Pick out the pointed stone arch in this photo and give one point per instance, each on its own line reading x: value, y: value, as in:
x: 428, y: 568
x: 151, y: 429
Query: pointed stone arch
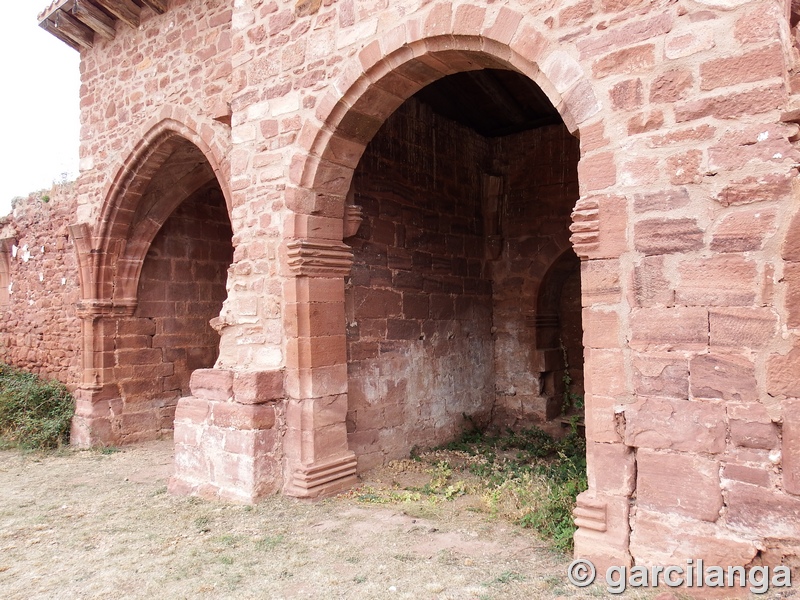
x: 111, y: 255
x: 385, y: 74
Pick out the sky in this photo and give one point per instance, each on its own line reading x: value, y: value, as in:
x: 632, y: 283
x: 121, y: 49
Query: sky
x: 39, y: 114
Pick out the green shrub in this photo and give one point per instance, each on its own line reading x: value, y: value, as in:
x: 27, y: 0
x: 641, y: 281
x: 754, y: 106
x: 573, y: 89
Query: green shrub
x: 539, y: 484
x: 35, y: 413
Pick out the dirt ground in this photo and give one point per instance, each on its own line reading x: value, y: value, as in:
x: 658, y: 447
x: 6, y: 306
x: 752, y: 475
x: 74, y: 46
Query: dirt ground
x: 84, y: 524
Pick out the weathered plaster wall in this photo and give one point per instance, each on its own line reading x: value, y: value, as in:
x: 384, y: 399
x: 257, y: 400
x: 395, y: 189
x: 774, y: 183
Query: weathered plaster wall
x: 418, y: 303
x: 39, y: 329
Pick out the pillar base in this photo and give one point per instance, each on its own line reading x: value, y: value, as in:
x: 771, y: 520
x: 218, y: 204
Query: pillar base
x: 603, y: 534
x: 226, y: 450
x: 323, y: 479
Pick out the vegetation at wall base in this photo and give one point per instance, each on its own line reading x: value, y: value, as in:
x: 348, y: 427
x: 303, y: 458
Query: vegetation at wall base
x: 35, y: 413
x: 528, y: 477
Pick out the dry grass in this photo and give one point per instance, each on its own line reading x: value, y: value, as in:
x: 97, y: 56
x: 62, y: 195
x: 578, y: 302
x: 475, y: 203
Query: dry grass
x: 94, y: 525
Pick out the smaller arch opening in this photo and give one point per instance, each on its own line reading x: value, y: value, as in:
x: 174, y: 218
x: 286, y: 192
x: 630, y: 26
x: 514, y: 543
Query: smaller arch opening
x: 176, y: 258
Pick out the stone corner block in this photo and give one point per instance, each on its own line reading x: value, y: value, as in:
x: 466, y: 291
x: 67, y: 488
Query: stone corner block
x: 258, y: 387
x: 212, y: 384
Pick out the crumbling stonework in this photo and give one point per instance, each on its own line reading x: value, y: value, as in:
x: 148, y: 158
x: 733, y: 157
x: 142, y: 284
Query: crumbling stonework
x: 400, y: 260
x: 39, y: 286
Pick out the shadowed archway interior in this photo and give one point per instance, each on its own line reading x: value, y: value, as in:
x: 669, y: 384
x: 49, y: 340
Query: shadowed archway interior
x: 181, y: 285
x: 466, y: 193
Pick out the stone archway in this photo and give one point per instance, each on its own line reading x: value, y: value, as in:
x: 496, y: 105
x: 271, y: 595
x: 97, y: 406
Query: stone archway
x: 318, y: 259
x: 144, y: 273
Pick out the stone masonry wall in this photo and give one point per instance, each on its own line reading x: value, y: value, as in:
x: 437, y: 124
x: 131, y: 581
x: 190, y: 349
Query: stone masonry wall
x: 540, y: 169
x: 419, y: 299
x: 181, y: 59
x: 687, y: 125
x: 39, y: 329
x: 181, y: 289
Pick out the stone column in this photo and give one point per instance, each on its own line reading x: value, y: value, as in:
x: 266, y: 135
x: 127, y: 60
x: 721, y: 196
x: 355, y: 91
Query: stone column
x: 317, y: 459
x: 98, y: 405
x: 602, y: 512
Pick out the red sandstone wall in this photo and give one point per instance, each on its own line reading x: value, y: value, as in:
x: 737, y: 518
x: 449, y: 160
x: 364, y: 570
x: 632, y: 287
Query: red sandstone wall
x: 181, y: 289
x: 686, y: 183
x: 180, y: 59
x: 419, y: 298
x: 540, y: 169
x: 39, y: 330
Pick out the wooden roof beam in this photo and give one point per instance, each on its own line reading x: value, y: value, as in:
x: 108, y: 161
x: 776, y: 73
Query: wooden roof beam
x: 159, y: 6
x: 50, y: 27
x: 73, y: 29
x: 126, y: 11
x: 94, y: 18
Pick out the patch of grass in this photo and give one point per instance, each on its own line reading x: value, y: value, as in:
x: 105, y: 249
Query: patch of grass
x: 203, y: 524
x: 507, y: 577
x: 533, y: 478
x: 269, y: 542
x: 35, y: 413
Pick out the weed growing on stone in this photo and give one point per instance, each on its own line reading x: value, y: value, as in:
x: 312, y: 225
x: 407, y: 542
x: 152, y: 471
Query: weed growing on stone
x: 35, y: 413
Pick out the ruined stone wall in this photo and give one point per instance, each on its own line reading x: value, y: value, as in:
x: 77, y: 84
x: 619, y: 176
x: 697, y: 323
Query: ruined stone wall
x: 541, y: 189
x: 39, y: 330
x: 683, y: 110
x: 419, y: 298
x: 181, y: 289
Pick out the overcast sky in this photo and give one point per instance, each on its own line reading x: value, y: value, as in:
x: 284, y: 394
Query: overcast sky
x: 38, y: 104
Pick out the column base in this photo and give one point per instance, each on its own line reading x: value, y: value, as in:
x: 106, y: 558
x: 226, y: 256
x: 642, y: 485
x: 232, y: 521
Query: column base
x: 323, y: 479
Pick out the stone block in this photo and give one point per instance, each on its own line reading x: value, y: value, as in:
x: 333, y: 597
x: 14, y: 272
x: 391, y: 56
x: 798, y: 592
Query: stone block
x: 751, y: 328
x: 257, y: 387
x: 726, y: 280
x: 661, y: 375
x: 752, y: 434
x: 669, y: 329
x: 600, y: 282
x: 764, y: 512
x: 212, y: 384
x: 668, y: 539
x: 233, y: 415
x: 651, y: 284
x: 629, y: 60
x: 783, y: 373
x: 666, y: 236
x: 601, y: 329
x: 790, y: 446
x: 192, y: 410
x: 723, y: 376
x: 605, y: 372
x: 673, y: 424
x: 756, y: 65
x: 611, y: 468
x: 681, y: 484
x: 601, y: 419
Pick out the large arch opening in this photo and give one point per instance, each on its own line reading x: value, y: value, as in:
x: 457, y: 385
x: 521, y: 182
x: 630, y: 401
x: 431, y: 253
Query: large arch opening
x: 171, y: 271
x: 461, y: 264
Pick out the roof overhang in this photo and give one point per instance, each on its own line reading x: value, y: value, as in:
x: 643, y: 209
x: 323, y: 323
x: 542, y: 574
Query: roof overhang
x: 77, y: 22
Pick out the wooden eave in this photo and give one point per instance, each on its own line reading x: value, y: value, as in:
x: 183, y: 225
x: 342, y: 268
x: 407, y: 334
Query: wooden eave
x: 78, y: 22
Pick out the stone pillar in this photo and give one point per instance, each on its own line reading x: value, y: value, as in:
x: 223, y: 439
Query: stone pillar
x: 318, y: 461
x: 602, y: 512
x: 227, y: 435
x: 98, y: 405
